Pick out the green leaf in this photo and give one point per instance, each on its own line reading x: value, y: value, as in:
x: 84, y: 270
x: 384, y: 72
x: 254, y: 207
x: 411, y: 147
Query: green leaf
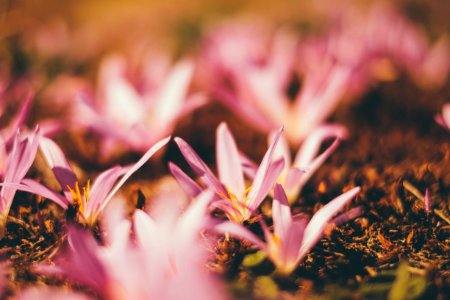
x: 264, y: 287
x: 399, y: 290
x: 254, y: 259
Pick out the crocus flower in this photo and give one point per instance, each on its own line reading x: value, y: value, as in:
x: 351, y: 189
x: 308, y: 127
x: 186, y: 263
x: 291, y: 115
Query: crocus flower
x: 134, y: 113
x: 291, y: 238
x: 307, y: 160
x: 236, y: 199
x: 18, y: 162
x: 444, y: 118
x: 164, y: 259
x: 89, y: 201
x: 258, y: 83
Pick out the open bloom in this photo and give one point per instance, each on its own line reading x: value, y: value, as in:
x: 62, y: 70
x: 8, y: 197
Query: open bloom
x: 18, y: 162
x: 296, y: 173
x: 89, y: 201
x: 444, y: 118
x: 291, y: 238
x: 133, y: 108
x: 236, y: 199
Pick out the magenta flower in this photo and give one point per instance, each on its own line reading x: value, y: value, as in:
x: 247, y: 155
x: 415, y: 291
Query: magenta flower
x: 137, y: 112
x: 89, y: 201
x: 291, y: 239
x: 18, y: 162
x: 444, y: 118
x: 236, y: 199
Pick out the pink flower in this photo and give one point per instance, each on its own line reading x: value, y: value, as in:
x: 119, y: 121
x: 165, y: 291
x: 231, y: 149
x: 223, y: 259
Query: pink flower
x: 89, y: 201
x: 444, y: 118
x: 174, y: 254
x: 233, y: 197
x: 165, y: 258
x: 135, y: 112
x: 291, y: 239
x: 18, y: 162
x: 297, y: 172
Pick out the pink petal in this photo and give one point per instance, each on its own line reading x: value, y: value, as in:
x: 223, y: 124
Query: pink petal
x: 427, y: 201
x: 199, y: 167
x: 186, y: 183
x: 348, y: 215
x: 281, y: 212
x: 312, y: 167
x: 245, y: 110
x: 228, y: 161
x: 262, y: 178
x: 194, y: 218
x: 261, y: 190
x: 248, y: 166
x: 31, y: 186
x: 282, y: 149
x: 133, y: 169
x: 84, y: 264
x: 292, y: 182
x: 18, y: 163
x: 173, y: 93
x: 315, y: 227
x: 146, y: 230
x: 101, y: 187
x: 292, y: 243
x: 312, y: 143
x: 60, y: 166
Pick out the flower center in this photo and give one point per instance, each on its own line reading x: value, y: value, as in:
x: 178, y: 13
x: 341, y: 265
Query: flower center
x: 78, y: 198
x: 239, y: 204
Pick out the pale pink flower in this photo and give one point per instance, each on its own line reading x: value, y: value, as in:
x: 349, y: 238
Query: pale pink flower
x: 18, y: 162
x: 292, y: 238
x: 377, y: 45
x: 135, y: 112
x: 174, y: 254
x: 233, y: 196
x: 164, y: 259
x: 307, y: 160
x: 90, y: 201
x: 444, y: 118
x: 255, y: 67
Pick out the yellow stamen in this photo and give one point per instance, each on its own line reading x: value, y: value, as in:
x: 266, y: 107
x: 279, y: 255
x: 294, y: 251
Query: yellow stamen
x: 239, y: 204
x: 80, y: 199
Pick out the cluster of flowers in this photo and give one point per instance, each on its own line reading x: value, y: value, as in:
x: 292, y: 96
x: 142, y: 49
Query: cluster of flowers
x: 257, y: 72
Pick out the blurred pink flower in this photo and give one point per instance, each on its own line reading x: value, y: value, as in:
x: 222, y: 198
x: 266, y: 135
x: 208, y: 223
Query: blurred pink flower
x: 292, y: 239
x: 444, y: 118
x: 174, y: 254
x: 236, y: 200
x: 376, y: 45
x: 165, y: 258
x: 17, y: 163
x: 269, y: 78
x: 129, y: 110
x: 90, y: 202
